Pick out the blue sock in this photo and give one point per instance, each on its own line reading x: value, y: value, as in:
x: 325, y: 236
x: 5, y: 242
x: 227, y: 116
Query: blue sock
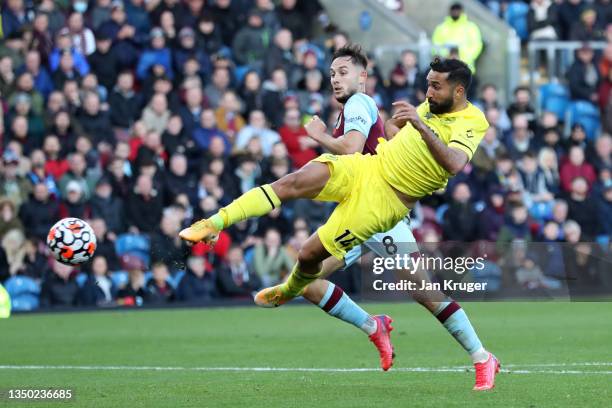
x: 338, y: 304
x: 454, y: 319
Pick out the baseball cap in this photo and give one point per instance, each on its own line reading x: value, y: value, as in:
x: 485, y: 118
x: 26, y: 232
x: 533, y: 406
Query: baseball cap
x: 73, y: 186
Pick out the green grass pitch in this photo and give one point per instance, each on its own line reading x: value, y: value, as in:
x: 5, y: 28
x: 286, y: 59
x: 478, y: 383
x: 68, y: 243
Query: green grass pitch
x: 543, y: 347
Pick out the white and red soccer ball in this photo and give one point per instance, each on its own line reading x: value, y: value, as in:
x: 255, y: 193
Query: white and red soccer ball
x: 72, y: 241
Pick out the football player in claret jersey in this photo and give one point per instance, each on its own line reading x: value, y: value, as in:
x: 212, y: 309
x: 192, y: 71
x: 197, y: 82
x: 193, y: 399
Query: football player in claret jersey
x: 375, y: 192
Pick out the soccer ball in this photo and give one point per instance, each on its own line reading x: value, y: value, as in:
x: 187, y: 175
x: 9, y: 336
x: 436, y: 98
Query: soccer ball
x: 72, y: 241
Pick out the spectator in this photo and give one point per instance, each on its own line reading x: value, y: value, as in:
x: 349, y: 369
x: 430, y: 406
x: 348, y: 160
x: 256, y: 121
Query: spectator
x: 42, y: 79
x: 105, y: 243
x: 99, y: 13
x: 251, y: 42
x: 229, y: 119
x: 547, y: 160
x: 73, y: 204
x: 280, y: 53
x: 462, y: 33
x: 64, y: 48
x: 582, y: 208
x: 105, y: 205
x: 83, y: 38
x: 522, y: 106
x: 8, y: 217
x: 25, y: 85
x: 219, y: 85
x: 489, y: 149
x: 208, y: 35
x: 576, y: 167
x: 271, y: 261
x: 586, y: 29
x: 188, y: 14
x: 461, y: 219
x: 604, y: 211
x: 187, y: 49
x: 257, y: 127
x: 159, y: 290
x: 13, y: 249
x: 605, y: 88
x: 166, y: 246
x: 228, y: 16
x: 39, y: 213
x: 177, y: 179
x: 292, y: 19
x: 541, y: 21
x: 190, y: 113
x: 567, y: 14
x: 235, y: 277
x: 583, y: 76
x: 13, y: 186
x: 98, y: 289
x: 124, y: 103
x: 174, y: 138
x: 126, y: 40
x: 300, y: 146
x: 250, y: 92
x: 157, y: 59
x: 138, y: 15
x: 14, y: 17
x: 96, y: 122
x: 134, y: 293
x: 492, y: 217
x: 198, y: 284
x: 520, y: 139
x: 59, y: 287
x: 78, y: 172
x: 273, y: 96
x: 156, y: 115
x: 143, y: 206
x: 516, y: 228
x: 208, y: 130
x: 537, y: 197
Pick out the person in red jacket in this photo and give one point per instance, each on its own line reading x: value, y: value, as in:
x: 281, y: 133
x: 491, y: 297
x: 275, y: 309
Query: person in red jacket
x: 294, y: 136
x: 576, y: 167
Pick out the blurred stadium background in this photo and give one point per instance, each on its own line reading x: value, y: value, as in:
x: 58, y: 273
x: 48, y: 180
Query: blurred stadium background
x: 141, y: 116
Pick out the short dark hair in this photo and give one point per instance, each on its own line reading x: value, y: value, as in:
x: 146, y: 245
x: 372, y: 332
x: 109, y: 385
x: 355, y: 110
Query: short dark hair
x: 353, y: 51
x: 458, y: 71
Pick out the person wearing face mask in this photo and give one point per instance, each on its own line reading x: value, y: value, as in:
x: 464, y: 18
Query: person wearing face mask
x: 458, y: 32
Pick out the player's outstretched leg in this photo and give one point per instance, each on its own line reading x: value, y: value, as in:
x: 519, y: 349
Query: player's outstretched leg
x: 305, y: 271
x: 455, y: 321
x: 305, y: 183
x: 333, y: 301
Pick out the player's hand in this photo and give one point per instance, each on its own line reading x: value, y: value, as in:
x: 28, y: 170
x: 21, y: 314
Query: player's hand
x: 405, y: 113
x: 315, y: 127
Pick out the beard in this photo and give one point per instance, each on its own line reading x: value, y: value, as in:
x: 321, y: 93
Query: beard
x: 342, y: 99
x: 440, y: 107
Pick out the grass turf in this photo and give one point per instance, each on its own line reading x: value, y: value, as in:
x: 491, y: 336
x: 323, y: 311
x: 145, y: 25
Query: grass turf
x: 302, y: 336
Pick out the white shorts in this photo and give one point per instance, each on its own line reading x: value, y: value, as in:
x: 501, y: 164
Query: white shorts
x: 398, y: 240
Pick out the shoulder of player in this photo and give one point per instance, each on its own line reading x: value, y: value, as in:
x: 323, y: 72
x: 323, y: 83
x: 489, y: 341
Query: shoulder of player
x: 361, y: 99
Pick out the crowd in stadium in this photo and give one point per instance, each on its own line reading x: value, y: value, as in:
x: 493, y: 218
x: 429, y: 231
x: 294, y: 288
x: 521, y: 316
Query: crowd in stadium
x: 142, y: 116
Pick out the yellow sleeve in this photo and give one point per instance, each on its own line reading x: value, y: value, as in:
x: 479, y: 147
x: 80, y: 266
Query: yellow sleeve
x: 467, y: 136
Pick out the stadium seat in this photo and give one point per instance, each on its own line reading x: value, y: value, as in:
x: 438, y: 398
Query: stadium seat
x: 120, y: 278
x: 20, y: 285
x: 133, y: 244
x: 587, y: 115
x: 554, y: 98
x: 24, y: 302
x: 148, y: 275
x: 516, y: 17
x: 81, y: 278
x: 176, y: 279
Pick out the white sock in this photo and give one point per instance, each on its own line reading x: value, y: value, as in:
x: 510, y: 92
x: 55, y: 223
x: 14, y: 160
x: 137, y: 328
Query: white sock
x: 370, y: 326
x: 480, y: 356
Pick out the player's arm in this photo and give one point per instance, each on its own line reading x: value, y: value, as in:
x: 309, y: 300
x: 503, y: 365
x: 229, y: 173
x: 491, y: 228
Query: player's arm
x: 391, y: 128
x: 351, y: 142
x: 451, y: 159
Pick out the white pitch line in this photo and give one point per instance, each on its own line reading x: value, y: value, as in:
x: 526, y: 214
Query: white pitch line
x: 285, y: 369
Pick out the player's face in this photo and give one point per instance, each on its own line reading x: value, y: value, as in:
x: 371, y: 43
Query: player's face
x: 440, y: 93
x: 346, y: 78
